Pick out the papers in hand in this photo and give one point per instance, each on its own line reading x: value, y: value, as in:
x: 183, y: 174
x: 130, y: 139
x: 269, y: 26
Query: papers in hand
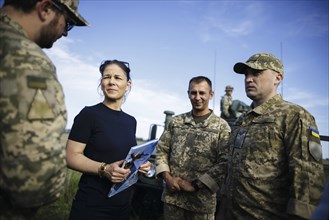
x: 137, y: 156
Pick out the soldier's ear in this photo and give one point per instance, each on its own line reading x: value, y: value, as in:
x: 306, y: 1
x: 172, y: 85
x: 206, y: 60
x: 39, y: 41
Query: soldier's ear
x: 212, y: 93
x: 278, y: 78
x: 43, y: 8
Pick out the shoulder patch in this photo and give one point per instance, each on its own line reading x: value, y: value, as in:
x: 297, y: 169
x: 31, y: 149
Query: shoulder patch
x: 314, y: 132
x: 315, y: 150
x: 36, y: 82
x: 40, y: 108
x: 314, y: 144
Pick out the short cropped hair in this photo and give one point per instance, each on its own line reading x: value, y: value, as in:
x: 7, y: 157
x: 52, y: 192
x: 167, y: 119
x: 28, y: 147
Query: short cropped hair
x: 199, y: 79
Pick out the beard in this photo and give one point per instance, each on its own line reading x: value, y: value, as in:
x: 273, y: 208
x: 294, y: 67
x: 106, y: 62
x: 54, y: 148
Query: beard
x: 49, y: 33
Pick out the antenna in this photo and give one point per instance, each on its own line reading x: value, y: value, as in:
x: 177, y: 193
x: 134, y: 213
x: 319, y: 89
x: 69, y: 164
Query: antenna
x: 214, y: 83
x: 281, y: 48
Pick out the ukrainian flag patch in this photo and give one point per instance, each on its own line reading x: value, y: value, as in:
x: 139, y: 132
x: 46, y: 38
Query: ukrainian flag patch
x: 314, y: 144
x: 314, y: 132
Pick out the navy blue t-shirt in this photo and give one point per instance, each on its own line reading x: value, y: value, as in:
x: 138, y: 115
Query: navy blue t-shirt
x: 108, y: 135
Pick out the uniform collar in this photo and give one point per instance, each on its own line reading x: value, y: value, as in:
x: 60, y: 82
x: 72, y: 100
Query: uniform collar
x: 263, y: 107
x: 5, y: 19
x: 190, y: 120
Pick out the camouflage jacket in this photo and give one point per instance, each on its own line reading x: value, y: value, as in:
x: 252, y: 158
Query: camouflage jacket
x: 32, y: 117
x: 225, y: 104
x: 194, y: 151
x: 275, y: 165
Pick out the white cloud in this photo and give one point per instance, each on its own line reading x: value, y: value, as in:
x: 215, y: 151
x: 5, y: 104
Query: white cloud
x: 147, y: 100
x: 310, y: 25
x: 218, y: 20
x: 305, y: 98
x: 231, y: 28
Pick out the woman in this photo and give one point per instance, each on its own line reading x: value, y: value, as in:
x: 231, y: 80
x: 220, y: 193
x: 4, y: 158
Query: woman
x: 100, y: 139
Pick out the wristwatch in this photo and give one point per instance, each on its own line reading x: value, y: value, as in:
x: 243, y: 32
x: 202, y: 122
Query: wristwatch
x: 102, y: 170
x: 195, y: 185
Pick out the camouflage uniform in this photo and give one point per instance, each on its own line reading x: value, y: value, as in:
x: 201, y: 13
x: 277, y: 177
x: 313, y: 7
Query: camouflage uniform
x: 33, y: 117
x: 274, y: 164
x: 190, y: 150
x: 225, y: 104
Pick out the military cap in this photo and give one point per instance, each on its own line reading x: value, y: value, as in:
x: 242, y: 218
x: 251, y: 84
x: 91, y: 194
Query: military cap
x: 260, y: 61
x: 72, y: 9
x: 228, y: 88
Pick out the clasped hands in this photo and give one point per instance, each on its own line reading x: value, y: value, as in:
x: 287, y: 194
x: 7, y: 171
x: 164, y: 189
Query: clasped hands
x: 116, y: 174
x: 175, y: 184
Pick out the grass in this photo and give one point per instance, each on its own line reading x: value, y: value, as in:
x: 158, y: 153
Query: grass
x: 146, y: 203
x: 60, y: 209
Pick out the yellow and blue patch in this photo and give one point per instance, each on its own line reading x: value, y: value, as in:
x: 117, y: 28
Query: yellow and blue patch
x: 314, y: 144
x: 314, y: 132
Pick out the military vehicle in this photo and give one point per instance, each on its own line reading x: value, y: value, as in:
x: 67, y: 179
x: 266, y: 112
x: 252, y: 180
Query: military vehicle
x: 146, y: 202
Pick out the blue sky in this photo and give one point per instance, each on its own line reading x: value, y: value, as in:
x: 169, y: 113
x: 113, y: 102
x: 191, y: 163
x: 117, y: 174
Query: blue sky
x: 168, y: 42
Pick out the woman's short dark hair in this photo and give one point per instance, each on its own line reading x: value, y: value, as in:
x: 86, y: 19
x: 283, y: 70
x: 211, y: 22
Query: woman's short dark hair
x: 123, y: 65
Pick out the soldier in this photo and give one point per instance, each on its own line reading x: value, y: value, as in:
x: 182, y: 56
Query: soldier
x: 226, y: 102
x: 187, y: 153
x: 32, y: 112
x: 275, y: 166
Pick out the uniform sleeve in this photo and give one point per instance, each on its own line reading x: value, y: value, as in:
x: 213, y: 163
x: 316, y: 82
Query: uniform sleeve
x: 33, y: 118
x: 214, y: 178
x: 322, y: 211
x: 303, y: 148
x: 163, y: 151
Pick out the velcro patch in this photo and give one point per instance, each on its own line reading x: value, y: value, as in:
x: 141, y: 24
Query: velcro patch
x: 40, y: 108
x: 239, y: 139
x: 314, y: 132
x: 314, y: 144
x: 36, y: 82
x: 315, y: 150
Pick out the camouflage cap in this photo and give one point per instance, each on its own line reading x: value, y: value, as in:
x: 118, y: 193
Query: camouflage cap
x: 260, y: 61
x: 72, y: 9
x: 228, y: 88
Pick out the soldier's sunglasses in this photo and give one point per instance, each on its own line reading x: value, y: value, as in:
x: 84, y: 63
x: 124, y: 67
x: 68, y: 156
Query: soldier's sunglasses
x: 61, y: 9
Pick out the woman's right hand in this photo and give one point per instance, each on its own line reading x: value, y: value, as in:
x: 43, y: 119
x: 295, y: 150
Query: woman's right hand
x: 115, y: 173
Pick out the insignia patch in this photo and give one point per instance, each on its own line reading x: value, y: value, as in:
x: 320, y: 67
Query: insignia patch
x: 314, y: 144
x: 314, y: 132
x: 315, y: 150
x: 239, y: 139
x: 36, y: 82
x: 40, y: 108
